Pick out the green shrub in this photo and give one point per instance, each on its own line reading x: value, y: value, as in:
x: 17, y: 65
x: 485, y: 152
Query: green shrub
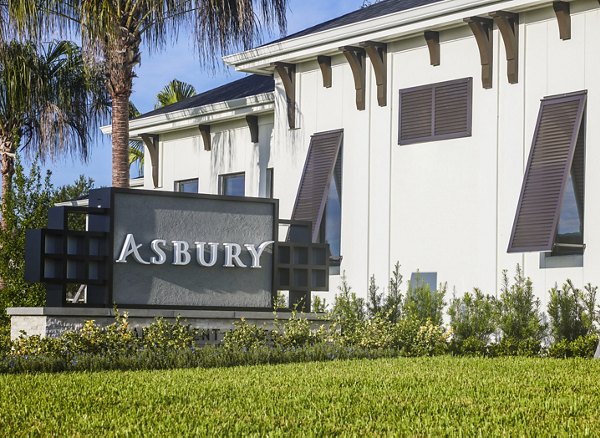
x: 423, y: 304
x: 572, y: 311
x: 388, y: 305
x: 348, y: 314
x: 560, y: 349
x: 164, y: 335
x: 473, y: 322
x: 35, y: 346
x: 245, y: 337
x: 374, y: 299
x: 319, y: 305
x: 377, y: 333
x: 583, y: 346
x: 295, y: 332
x: 519, y: 316
x: 508, y: 346
x: 406, y: 332
x: 392, y: 306
x: 471, y: 346
x: 5, y: 343
x: 113, y: 340
x: 431, y: 340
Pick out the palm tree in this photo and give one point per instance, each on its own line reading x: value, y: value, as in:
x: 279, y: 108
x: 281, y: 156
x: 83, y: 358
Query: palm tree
x: 115, y: 29
x: 175, y: 91
x: 50, y: 102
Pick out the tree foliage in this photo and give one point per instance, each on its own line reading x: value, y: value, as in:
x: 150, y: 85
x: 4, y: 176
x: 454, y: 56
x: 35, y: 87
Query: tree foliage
x: 50, y: 102
x: 175, y: 91
x: 114, y: 30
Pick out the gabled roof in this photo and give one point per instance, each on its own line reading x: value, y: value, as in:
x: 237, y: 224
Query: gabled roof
x: 248, y: 86
x: 376, y: 10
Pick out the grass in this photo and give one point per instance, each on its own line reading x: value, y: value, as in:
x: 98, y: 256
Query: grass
x: 407, y: 396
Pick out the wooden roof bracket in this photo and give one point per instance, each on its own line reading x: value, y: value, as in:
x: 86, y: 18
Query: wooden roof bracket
x: 377, y: 53
x: 325, y: 65
x: 205, y: 133
x: 287, y: 73
x: 433, y: 43
x: 356, y: 58
x: 563, y: 16
x: 508, y: 24
x: 252, y: 122
x: 483, y: 31
x: 151, y: 142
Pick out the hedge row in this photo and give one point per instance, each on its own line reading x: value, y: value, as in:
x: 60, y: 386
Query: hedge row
x: 394, y: 323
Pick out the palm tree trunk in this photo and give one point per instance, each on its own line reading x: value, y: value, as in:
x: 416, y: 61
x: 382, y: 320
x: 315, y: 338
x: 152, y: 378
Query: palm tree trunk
x: 120, y: 140
x: 122, y: 55
x: 7, y: 169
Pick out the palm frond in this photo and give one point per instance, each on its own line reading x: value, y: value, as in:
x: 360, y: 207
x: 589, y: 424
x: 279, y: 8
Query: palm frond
x: 175, y: 91
x: 48, y: 98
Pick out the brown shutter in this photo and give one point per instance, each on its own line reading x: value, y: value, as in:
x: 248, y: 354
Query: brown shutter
x: 318, y: 171
x: 435, y: 111
x: 452, y: 112
x: 552, y: 151
x: 416, y: 111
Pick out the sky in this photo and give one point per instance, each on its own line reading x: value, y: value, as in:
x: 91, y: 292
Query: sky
x: 179, y: 61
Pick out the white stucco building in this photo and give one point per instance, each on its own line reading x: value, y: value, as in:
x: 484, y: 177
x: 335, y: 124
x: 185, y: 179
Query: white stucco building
x: 430, y: 109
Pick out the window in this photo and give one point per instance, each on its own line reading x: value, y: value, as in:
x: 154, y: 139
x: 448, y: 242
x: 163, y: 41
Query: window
x: 435, y: 112
x: 233, y: 184
x: 331, y: 224
x: 420, y: 280
x: 550, y: 211
x: 187, y: 185
x: 320, y: 192
x: 269, y: 184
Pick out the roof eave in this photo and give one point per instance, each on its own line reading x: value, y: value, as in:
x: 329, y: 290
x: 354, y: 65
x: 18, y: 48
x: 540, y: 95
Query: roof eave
x: 212, y: 113
x: 398, y: 25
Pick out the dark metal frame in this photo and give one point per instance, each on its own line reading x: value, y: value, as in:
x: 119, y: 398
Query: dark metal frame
x: 38, y: 256
x: 433, y: 136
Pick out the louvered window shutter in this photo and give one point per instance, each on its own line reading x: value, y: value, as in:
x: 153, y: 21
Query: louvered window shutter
x: 314, y: 184
x: 556, y: 136
x: 436, y: 111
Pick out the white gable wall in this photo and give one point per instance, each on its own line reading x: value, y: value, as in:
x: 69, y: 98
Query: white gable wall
x: 445, y: 206
x: 183, y: 156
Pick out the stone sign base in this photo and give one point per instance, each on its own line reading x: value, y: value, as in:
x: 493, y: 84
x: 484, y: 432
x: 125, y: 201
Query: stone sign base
x: 53, y: 321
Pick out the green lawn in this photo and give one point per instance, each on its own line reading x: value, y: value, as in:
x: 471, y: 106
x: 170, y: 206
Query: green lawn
x: 440, y: 396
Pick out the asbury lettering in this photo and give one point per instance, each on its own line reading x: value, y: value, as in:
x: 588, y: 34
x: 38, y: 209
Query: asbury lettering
x: 183, y: 254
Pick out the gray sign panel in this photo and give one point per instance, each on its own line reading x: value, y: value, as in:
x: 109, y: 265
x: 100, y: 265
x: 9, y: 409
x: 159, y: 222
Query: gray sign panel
x: 189, y: 231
